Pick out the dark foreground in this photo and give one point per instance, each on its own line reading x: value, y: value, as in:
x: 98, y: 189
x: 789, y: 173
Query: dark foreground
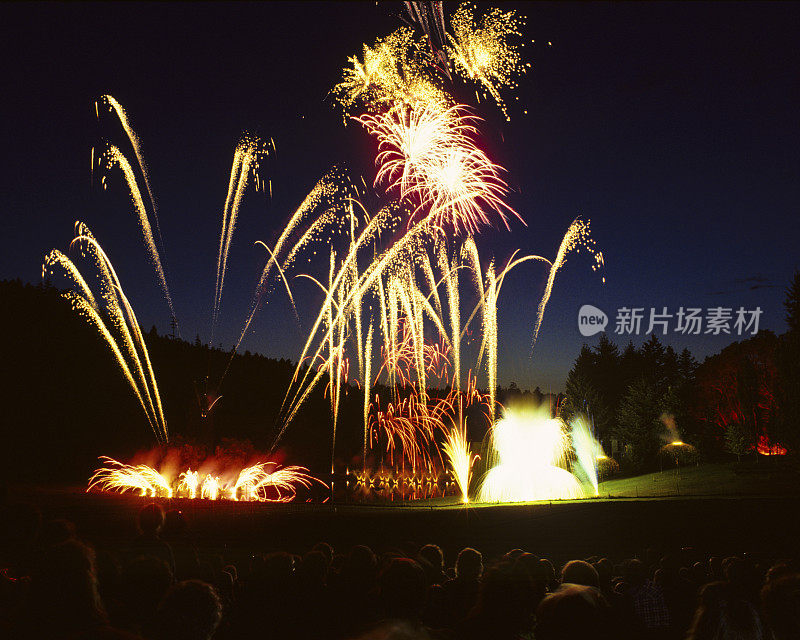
x: 649, y: 569
x: 616, y: 528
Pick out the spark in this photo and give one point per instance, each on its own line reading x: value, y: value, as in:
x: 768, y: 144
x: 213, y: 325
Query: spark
x: 393, y: 70
x: 588, y: 450
x: 113, y: 156
x: 118, y: 157
x: 529, y: 451
x: 188, y: 483
x: 429, y: 156
x: 120, y: 477
x: 114, y: 320
x: 484, y: 52
x: 460, y: 459
x: 245, y: 164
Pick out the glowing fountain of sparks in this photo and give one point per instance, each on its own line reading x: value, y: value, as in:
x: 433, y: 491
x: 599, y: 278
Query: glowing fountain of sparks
x: 460, y: 459
x: 120, y: 477
x: 588, y: 450
x: 189, y: 481
x: 253, y: 483
x: 529, y: 451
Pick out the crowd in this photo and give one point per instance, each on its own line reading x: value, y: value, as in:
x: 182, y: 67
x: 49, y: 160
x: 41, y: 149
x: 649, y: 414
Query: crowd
x: 159, y: 585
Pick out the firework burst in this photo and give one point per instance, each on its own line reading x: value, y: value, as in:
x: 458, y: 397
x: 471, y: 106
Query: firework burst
x: 430, y: 158
x: 484, y: 51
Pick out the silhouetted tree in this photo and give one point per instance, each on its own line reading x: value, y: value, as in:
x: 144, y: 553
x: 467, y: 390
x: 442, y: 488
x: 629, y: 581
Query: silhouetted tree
x: 739, y: 439
x: 638, y: 425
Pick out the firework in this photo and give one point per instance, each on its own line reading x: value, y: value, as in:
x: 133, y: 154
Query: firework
x: 113, y: 156
x: 485, y: 52
x: 393, y: 70
x: 112, y: 316
x: 588, y: 450
x: 529, y: 452
x: 245, y: 163
x: 253, y: 483
x: 280, y: 485
x: 429, y: 156
x: 460, y: 459
x: 119, y: 477
x: 576, y: 237
x: 189, y: 481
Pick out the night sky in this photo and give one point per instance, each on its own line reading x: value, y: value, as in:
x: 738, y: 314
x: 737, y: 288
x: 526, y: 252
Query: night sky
x: 672, y: 127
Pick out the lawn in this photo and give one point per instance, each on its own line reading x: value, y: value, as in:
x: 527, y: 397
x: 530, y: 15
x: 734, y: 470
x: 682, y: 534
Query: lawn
x: 718, y: 479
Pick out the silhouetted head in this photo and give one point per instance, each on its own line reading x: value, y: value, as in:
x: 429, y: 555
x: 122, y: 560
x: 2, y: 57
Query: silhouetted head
x: 548, y: 572
x: 151, y: 519
x: 57, y: 531
x: 361, y: 566
x: 722, y: 614
x: 580, y: 572
x: 144, y: 582
x: 190, y: 610
x: 634, y: 572
x: 326, y: 550
x: 780, y: 601
x: 433, y: 555
x: 402, y: 589
x: 469, y: 564
x: 513, y: 554
x: 313, y: 569
x: 65, y: 589
x: 573, y: 611
x: 779, y: 571
x: 605, y: 571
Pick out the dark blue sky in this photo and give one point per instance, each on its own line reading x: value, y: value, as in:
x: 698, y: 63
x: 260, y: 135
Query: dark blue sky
x: 673, y: 127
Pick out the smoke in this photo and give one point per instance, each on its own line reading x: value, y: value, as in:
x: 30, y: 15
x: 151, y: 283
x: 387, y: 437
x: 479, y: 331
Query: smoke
x: 671, y: 434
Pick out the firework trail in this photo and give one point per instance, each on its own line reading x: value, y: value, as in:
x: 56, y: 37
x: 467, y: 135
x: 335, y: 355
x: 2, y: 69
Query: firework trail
x: 126, y: 341
x: 115, y: 156
x: 429, y: 16
x: 325, y: 191
x: 245, y: 165
x: 577, y: 236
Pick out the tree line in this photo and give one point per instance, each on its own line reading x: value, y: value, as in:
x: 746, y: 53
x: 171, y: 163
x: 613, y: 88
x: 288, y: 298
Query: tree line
x: 743, y: 400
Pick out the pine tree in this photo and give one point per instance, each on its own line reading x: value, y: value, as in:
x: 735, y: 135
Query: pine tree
x: 792, y: 304
x: 638, y: 425
x: 788, y: 366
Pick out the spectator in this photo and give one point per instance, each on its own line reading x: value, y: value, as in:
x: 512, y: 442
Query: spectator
x: 460, y: 594
x: 149, y: 542
x: 580, y: 572
x: 724, y: 615
x: 190, y: 610
x: 780, y: 601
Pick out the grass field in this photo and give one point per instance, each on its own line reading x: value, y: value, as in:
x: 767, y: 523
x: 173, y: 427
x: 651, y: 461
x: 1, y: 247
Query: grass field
x: 721, y: 479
